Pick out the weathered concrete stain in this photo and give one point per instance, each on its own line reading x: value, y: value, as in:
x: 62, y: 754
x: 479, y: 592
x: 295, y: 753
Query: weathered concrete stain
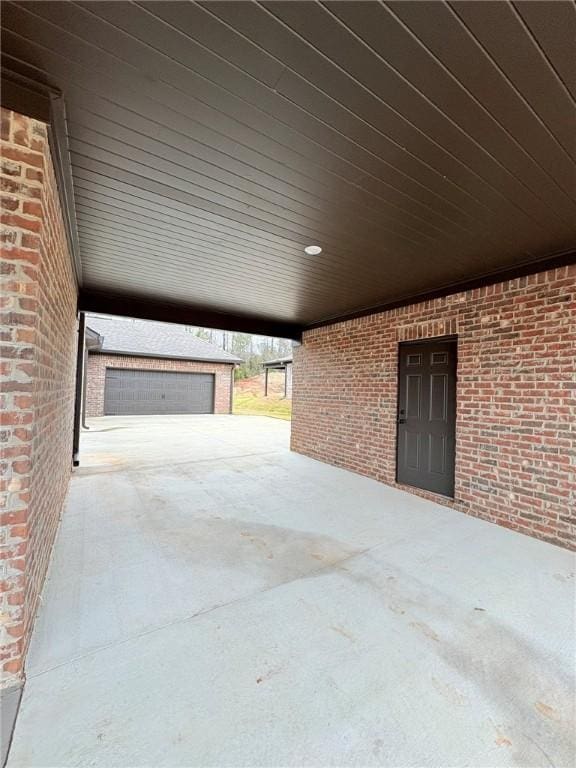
x: 501, y: 739
x: 268, y: 674
x: 483, y: 648
x: 547, y: 710
x: 450, y: 693
x: 283, y: 553
x: 425, y: 629
x: 377, y: 747
x: 563, y: 576
x: 238, y: 607
x: 101, y: 462
x: 344, y: 632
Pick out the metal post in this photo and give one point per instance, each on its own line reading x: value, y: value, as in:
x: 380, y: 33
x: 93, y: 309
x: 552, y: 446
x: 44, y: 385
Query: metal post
x: 285, y: 381
x: 84, y: 389
x: 265, y: 382
x: 78, y: 396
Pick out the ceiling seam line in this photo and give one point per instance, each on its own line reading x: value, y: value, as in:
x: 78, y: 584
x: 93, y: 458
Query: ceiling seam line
x: 187, y: 194
x: 446, y: 116
x: 358, y: 117
x: 326, y: 170
x: 376, y: 225
x: 209, y: 106
x: 261, y: 246
x: 343, y: 180
x: 443, y: 149
x: 197, y: 243
x: 488, y: 56
x: 109, y: 243
x: 542, y: 52
x: 286, y: 68
x: 479, y: 103
x: 233, y: 173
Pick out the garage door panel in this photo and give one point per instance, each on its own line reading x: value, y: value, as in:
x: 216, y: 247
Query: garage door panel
x: 141, y: 392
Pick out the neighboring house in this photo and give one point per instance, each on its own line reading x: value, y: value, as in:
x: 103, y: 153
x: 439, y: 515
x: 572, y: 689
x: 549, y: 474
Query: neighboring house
x: 281, y: 364
x: 143, y: 367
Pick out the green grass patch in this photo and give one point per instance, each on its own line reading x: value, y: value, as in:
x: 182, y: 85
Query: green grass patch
x: 250, y: 404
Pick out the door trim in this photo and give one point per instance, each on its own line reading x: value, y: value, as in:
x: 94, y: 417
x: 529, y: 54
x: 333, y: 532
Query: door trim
x: 453, y: 337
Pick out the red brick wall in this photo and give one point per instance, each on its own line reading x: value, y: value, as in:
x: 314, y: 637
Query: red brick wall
x: 97, y: 364
x: 516, y: 398
x: 37, y: 331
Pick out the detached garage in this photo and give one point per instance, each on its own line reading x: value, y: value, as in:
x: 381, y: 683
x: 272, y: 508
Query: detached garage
x: 137, y: 367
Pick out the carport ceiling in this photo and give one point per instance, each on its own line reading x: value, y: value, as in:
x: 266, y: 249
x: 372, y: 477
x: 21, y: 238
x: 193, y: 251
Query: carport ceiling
x: 422, y: 145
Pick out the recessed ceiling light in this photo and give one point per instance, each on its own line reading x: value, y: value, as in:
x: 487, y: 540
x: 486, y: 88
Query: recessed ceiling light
x: 312, y: 250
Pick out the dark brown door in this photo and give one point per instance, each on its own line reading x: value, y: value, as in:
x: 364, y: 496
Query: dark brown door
x: 427, y: 415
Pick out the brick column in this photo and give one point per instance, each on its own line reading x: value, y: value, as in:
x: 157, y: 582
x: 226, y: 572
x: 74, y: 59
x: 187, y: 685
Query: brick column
x: 37, y: 341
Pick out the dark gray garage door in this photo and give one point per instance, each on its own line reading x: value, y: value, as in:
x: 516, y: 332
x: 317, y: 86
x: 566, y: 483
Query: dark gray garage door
x: 157, y: 392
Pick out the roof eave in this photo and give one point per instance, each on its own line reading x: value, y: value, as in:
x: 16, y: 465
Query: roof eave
x: 131, y: 353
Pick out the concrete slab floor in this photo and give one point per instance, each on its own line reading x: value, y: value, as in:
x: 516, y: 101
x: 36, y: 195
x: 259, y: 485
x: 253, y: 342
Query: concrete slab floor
x: 9, y: 703
x: 215, y: 600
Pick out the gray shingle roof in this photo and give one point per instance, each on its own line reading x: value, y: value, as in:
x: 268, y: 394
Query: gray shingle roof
x: 278, y: 361
x: 149, y: 339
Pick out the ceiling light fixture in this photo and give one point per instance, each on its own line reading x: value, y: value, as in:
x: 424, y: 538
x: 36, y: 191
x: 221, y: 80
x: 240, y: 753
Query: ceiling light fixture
x: 312, y: 250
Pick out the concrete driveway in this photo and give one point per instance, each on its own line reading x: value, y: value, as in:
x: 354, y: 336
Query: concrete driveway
x: 215, y: 600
